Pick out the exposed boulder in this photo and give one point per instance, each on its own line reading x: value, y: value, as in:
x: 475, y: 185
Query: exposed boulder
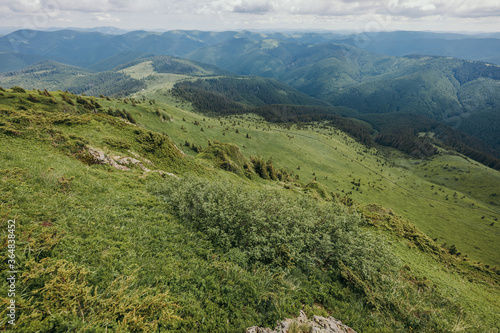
x: 122, y: 163
x: 302, y: 324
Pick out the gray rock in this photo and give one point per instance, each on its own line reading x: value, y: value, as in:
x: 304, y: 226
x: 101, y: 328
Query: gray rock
x: 123, y: 163
x: 303, y: 324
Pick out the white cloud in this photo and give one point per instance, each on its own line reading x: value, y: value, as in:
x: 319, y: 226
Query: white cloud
x: 22, y: 6
x: 408, y: 8
x: 403, y: 8
x: 254, y: 7
x: 105, y: 17
x: 231, y: 14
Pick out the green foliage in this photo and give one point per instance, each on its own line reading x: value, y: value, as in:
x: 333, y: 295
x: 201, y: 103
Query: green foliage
x: 125, y: 114
x: 234, y: 95
x: 473, y: 70
x: 417, y: 146
x: 33, y: 99
x: 304, y: 237
x: 275, y: 229
x: 18, y: 89
x: 207, y: 102
x: 260, y: 167
x: 117, y: 143
x: 266, y: 170
x: 401, y: 131
x: 88, y: 104
x: 159, y: 145
x: 66, y: 300
x: 316, y: 187
x: 306, y: 114
x: 66, y: 98
x: 228, y: 157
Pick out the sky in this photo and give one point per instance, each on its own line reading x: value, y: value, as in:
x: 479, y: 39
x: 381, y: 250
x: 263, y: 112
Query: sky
x: 216, y: 15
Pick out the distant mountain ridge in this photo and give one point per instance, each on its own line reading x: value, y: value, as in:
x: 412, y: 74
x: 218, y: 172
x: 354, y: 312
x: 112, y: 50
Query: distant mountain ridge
x: 453, y: 45
x: 439, y: 87
x: 88, y: 47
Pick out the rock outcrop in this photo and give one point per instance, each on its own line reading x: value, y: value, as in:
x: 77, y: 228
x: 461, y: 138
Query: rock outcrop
x: 122, y: 163
x: 302, y: 324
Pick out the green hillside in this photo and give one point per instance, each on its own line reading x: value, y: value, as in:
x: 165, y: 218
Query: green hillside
x: 56, y: 76
x: 337, y: 162
x: 124, y: 79
x: 439, y: 87
x: 15, y: 61
x: 248, y: 56
x: 414, y: 85
x: 449, y: 90
x: 246, y: 91
x: 136, y: 215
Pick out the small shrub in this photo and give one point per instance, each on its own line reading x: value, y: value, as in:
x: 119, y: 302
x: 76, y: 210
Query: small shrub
x: 33, y: 99
x: 66, y: 98
x: 18, y: 89
x: 117, y: 143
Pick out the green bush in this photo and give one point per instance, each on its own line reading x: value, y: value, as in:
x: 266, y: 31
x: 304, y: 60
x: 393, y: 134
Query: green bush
x: 277, y: 229
x: 323, y: 247
x: 18, y: 89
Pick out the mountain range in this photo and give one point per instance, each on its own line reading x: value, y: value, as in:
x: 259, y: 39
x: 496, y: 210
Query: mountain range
x: 379, y: 78
x: 85, y: 48
x: 193, y: 181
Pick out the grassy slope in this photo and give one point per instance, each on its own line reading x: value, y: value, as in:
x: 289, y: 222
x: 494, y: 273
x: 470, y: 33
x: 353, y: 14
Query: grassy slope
x: 337, y: 160
x: 52, y: 75
x: 101, y: 206
x: 125, y: 79
x: 154, y: 80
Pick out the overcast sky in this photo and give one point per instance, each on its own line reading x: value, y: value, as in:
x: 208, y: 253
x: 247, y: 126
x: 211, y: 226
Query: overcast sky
x: 358, y: 16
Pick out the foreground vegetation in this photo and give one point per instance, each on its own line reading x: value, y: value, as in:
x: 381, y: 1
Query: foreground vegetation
x: 213, y: 249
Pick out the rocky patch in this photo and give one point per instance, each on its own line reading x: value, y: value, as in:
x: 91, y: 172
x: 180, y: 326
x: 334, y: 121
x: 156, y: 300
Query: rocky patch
x: 123, y: 163
x: 302, y: 324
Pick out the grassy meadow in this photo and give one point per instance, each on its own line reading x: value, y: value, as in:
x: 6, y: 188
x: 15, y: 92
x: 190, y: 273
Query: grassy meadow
x: 445, y: 192
x: 100, y: 249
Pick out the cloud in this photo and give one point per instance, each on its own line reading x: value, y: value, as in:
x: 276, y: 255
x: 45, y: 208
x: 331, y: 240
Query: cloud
x: 443, y: 8
x: 87, y: 6
x: 105, y: 17
x: 22, y: 6
x: 253, y: 7
x: 478, y: 10
x: 231, y: 14
x: 404, y: 8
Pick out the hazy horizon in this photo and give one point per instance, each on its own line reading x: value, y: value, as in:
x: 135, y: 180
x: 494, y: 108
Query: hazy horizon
x: 116, y: 30
x: 217, y: 15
